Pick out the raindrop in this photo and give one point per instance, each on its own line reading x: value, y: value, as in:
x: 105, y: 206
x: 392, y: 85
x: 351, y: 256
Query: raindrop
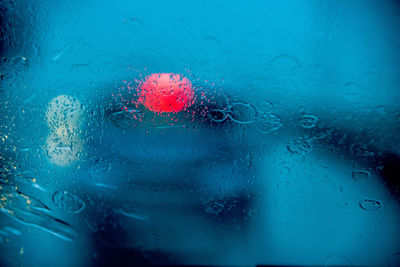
x: 126, y: 118
x: 41, y: 188
x: 369, y: 204
x: 20, y: 61
x: 285, y: 170
x: 266, y: 105
x: 44, y: 222
x: 360, y: 175
x: 131, y: 213
x: 242, y: 113
x: 211, y: 39
x: 352, y: 91
x: 100, y: 166
x: 285, y: 65
x: 29, y: 211
x: 12, y: 230
x: 116, y: 113
x: 24, y: 178
x: 62, y: 149
x: 268, y: 123
x: 170, y: 126
x: 217, y: 115
x: 28, y: 177
x: 18, y: 200
x: 244, y: 163
x: 29, y: 99
x: 65, y: 111
x: 106, y: 186
x: 97, y: 173
x: 253, y: 213
x: 214, y: 207
x: 299, y: 145
x: 68, y: 202
x: 308, y: 121
x: 209, y: 43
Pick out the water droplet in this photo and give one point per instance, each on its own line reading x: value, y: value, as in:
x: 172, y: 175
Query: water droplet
x: 127, y: 119
x: 217, y: 115
x: 12, y: 230
x: 131, y: 213
x: 29, y: 211
x: 29, y: 99
x: 99, y: 166
x: 98, y: 173
x: 352, y: 92
x: 299, y: 145
x: 266, y: 105
x: 369, y: 204
x: 242, y: 113
x: 14, y: 199
x: 20, y: 61
x: 285, y: 65
x: 268, y: 123
x: 244, y: 163
x: 209, y: 44
x: 62, y: 149
x: 65, y: 111
x: 360, y: 175
x: 253, y: 213
x: 336, y: 260
x: 214, y: 207
x: 285, y: 170
x: 68, y: 202
x: 308, y: 121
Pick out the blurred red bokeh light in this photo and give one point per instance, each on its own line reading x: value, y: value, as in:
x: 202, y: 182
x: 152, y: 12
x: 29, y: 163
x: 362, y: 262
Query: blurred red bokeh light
x: 166, y: 92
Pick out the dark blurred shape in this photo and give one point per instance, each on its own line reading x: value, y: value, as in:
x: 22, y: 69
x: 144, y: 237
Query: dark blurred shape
x: 391, y: 172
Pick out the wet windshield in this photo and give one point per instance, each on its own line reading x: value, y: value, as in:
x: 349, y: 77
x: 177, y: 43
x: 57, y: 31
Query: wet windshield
x: 199, y: 133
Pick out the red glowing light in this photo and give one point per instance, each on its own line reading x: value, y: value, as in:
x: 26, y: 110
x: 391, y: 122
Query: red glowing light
x: 166, y: 92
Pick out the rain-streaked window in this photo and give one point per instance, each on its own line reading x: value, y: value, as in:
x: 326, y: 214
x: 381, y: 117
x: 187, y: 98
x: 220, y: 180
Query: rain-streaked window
x: 212, y: 133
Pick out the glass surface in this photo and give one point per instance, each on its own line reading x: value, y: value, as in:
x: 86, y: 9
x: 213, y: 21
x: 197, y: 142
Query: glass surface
x: 282, y: 149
